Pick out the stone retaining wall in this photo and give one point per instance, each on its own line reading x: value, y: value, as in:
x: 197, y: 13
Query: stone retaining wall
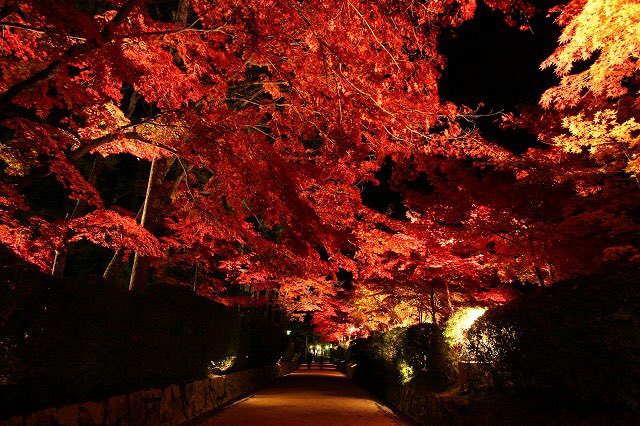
x: 454, y: 407
x: 169, y: 406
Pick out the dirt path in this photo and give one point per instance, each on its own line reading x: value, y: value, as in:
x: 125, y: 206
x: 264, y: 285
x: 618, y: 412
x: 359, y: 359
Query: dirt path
x: 308, y: 397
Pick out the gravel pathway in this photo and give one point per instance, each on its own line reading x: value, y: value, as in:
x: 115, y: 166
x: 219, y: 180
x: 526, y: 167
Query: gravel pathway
x: 308, y: 397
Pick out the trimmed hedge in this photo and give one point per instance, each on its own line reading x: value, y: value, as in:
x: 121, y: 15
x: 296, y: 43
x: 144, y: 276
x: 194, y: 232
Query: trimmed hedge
x: 578, y: 341
x: 64, y: 341
x: 387, y: 360
x: 568, y: 354
x: 575, y: 344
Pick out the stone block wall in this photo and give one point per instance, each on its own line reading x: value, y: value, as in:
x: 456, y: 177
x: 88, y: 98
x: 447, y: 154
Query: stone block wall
x: 454, y: 407
x: 169, y: 406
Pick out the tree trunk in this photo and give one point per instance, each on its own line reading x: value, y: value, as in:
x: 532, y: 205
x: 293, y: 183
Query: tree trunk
x: 195, y: 278
x: 115, y: 267
x: 140, y: 269
x: 58, y: 263
x: 449, y: 304
x: 178, y: 181
x: 433, y: 308
x: 540, y: 275
x: 182, y: 12
x: 60, y: 259
x: 112, y: 267
x: 536, y: 266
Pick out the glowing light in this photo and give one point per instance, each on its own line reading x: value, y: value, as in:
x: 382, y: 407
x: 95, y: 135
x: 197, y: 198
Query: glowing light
x: 352, y: 329
x: 288, y: 332
x: 406, y: 371
x: 220, y: 366
x: 460, y: 322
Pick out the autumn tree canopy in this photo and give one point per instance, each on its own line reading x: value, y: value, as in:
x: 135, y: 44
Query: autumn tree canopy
x: 300, y: 153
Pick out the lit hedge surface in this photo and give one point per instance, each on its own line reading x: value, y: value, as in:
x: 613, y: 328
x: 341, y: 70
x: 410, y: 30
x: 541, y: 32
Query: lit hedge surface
x: 391, y: 359
x: 577, y: 340
x: 64, y: 341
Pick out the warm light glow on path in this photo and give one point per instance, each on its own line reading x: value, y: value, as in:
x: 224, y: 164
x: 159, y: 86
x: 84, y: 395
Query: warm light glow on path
x: 309, y: 397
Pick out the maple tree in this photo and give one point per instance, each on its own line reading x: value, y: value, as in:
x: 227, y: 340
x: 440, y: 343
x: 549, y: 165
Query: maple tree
x: 283, y: 142
x: 598, y: 101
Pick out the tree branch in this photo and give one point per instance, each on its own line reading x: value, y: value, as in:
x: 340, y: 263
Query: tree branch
x: 21, y: 26
x: 7, y: 97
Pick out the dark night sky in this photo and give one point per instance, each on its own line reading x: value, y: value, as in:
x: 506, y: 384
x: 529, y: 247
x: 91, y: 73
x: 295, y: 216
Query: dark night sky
x: 492, y: 63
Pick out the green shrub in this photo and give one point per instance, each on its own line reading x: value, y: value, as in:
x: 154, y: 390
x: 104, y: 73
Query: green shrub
x: 386, y: 360
x: 375, y: 363
x: 64, y: 341
x: 578, y: 340
x: 425, y: 352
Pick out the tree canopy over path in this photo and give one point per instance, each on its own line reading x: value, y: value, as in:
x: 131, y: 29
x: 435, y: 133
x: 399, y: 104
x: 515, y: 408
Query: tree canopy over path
x: 301, y: 150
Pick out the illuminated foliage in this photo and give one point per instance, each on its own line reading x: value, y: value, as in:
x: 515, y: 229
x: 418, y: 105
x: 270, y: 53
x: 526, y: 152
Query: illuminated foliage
x: 459, y: 323
x: 301, y: 142
x: 217, y: 367
x: 604, y: 32
x: 597, y: 61
x: 614, y: 145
